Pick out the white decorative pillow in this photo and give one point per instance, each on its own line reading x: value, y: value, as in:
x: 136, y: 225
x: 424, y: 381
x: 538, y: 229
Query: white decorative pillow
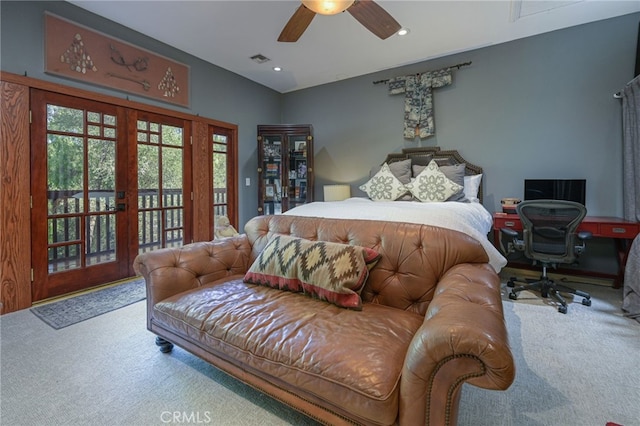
x: 431, y: 185
x: 384, y: 186
x: 471, y: 187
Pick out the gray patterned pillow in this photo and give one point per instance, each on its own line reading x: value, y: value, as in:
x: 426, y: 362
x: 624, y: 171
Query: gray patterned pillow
x: 400, y: 169
x: 431, y: 185
x: 384, y: 186
x: 452, y: 172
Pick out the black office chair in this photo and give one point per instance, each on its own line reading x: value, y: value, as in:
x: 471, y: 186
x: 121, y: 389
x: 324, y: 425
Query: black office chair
x: 549, y: 237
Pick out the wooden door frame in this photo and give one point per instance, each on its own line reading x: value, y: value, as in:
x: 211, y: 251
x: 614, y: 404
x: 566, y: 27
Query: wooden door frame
x: 232, y: 182
x: 44, y: 283
x: 15, y: 221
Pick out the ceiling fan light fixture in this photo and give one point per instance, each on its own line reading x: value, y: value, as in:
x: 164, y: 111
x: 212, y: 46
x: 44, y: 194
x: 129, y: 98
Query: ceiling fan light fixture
x: 328, y: 7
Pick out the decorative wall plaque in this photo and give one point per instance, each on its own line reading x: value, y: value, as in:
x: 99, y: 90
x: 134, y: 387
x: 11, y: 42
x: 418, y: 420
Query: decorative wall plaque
x: 76, y: 52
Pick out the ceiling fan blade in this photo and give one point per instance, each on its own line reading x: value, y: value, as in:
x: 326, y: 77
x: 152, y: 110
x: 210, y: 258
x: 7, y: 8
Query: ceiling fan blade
x: 297, y: 24
x: 374, y: 18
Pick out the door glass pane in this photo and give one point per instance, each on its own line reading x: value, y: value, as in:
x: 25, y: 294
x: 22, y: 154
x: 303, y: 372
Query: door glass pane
x: 172, y: 176
x: 101, y: 243
x: 65, y: 258
x: 160, y: 185
x: 69, y: 120
x: 64, y: 229
x: 220, y: 188
x: 100, y: 168
x: 171, y: 135
x: 109, y: 120
x: 148, y: 176
x: 149, y: 230
x: 80, y: 182
x: 272, y: 175
x: 174, y: 238
x: 298, y: 170
x: 93, y: 130
x: 65, y: 168
x: 93, y: 117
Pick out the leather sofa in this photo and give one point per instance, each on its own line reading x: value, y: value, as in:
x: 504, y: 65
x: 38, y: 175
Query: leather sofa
x: 431, y: 320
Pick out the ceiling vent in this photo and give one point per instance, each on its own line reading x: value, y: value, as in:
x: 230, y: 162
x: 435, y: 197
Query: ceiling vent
x: 259, y: 58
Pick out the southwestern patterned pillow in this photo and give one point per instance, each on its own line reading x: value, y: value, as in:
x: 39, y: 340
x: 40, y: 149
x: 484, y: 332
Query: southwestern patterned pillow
x: 431, y: 185
x: 328, y: 271
x: 384, y: 186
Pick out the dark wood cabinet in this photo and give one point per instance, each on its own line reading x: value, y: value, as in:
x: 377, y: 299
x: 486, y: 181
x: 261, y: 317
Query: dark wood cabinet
x: 285, y: 167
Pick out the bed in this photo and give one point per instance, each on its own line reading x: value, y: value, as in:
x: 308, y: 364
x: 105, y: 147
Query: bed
x: 461, y: 211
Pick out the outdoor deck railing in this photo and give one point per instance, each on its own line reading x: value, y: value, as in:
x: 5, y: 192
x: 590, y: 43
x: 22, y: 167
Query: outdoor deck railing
x: 64, y: 221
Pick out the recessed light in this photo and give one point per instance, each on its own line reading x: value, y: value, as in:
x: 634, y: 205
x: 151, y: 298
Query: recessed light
x: 277, y: 69
x: 403, y: 31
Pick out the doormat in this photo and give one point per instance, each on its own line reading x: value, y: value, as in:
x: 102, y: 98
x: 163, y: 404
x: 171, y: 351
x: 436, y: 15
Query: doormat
x: 79, y: 308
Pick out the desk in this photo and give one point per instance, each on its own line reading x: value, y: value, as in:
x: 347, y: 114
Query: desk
x: 623, y: 232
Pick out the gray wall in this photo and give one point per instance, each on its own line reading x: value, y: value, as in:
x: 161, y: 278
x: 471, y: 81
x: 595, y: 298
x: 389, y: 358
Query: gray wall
x: 540, y: 107
x: 215, y: 93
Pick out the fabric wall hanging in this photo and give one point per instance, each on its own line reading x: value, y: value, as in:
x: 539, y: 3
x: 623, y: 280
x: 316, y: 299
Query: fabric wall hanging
x: 418, y: 103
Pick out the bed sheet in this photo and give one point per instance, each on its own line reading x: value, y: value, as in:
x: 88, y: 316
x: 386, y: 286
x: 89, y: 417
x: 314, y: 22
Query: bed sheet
x: 470, y: 218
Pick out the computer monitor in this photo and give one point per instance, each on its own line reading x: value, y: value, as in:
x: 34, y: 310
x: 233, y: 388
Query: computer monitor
x: 555, y: 189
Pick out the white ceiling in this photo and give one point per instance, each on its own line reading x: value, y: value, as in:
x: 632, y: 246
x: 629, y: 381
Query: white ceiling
x: 228, y: 33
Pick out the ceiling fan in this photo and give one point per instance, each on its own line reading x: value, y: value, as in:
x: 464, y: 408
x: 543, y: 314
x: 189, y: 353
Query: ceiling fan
x: 367, y: 12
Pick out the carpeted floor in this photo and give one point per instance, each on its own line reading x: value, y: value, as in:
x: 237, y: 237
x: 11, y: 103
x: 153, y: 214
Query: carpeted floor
x: 66, y: 312
x: 572, y: 370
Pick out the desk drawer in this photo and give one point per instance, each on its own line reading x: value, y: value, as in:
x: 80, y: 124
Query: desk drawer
x: 591, y: 227
x: 503, y: 222
x: 626, y: 230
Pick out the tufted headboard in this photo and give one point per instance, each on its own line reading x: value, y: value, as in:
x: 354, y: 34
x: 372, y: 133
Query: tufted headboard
x: 422, y: 156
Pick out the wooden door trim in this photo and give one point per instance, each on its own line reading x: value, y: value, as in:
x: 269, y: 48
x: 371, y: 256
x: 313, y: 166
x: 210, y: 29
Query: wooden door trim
x: 46, y: 284
x: 15, y: 258
x: 34, y: 83
x: 15, y: 190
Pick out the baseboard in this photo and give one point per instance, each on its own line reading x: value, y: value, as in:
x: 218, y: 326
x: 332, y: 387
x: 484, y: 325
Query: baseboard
x: 528, y: 273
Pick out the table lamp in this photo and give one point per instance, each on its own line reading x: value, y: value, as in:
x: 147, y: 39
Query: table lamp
x: 336, y: 192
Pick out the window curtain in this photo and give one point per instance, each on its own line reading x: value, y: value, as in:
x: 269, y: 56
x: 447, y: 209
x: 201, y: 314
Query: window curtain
x: 631, y: 192
x: 631, y: 149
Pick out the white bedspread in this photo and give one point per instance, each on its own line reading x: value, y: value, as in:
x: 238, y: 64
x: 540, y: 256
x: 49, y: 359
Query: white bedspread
x: 470, y: 218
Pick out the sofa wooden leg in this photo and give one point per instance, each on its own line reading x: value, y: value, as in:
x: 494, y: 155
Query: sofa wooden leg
x: 165, y: 345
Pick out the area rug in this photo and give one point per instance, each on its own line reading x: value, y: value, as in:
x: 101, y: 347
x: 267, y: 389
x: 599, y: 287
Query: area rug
x: 80, y: 308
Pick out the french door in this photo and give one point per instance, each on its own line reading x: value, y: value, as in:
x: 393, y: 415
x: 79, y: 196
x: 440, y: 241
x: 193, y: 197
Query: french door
x: 107, y: 183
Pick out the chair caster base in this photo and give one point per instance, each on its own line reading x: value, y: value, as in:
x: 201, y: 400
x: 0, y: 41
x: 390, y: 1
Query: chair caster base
x: 586, y: 302
x: 562, y: 309
x: 513, y: 296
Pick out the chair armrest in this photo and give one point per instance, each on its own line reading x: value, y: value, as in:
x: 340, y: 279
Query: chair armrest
x: 171, y: 271
x: 509, y: 232
x: 584, y: 235
x: 463, y: 339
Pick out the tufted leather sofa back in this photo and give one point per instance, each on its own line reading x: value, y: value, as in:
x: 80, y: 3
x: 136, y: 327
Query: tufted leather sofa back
x: 413, y: 256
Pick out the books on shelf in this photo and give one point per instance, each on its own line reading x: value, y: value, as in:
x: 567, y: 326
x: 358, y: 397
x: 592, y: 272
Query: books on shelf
x: 272, y: 170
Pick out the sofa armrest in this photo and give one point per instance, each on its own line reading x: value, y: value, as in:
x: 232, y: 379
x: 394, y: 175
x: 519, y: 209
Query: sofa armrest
x: 171, y: 271
x: 463, y: 339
